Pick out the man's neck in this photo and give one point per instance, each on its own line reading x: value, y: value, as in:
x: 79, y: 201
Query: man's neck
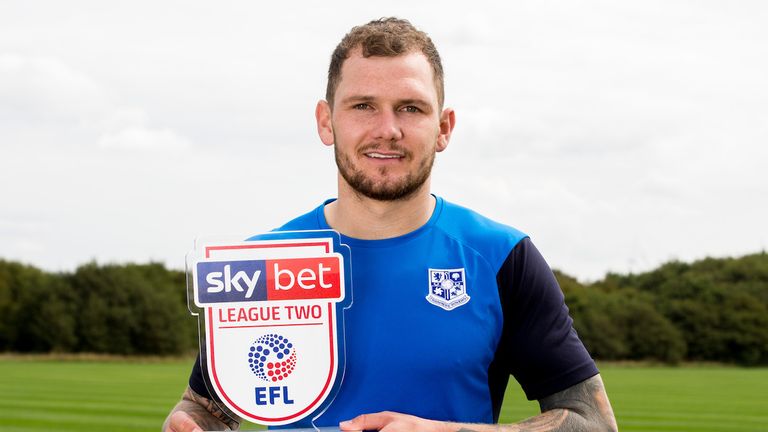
x: 367, y: 219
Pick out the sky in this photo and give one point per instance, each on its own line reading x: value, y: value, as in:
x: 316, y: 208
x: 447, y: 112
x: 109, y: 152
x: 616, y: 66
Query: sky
x: 618, y: 135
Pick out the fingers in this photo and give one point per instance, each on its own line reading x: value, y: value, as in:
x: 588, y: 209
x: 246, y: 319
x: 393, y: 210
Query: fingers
x: 376, y: 421
x: 182, y: 422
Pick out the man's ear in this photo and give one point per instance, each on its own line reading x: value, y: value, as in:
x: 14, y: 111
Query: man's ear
x: 324, y: 123
x: 447, y: 122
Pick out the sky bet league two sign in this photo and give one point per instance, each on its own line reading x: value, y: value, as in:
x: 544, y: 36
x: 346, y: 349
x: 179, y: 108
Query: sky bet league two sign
x: 271, y: 313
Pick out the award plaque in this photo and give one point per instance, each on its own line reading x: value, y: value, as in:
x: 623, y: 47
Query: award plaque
x: 271, y: 317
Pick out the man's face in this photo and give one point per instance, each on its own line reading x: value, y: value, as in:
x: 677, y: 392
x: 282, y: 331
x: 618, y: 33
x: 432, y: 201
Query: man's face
x: 386, y: 125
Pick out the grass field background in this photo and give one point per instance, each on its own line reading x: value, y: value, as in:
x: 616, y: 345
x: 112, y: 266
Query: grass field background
x: 133, y: 395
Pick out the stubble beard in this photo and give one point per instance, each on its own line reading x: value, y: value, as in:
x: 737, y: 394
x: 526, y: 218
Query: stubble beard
x: 386, y: 190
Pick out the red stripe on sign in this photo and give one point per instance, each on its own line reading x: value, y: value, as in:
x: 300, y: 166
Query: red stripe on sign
x: 208, y: 249
x: 269, y: 325
x: 304, y: 278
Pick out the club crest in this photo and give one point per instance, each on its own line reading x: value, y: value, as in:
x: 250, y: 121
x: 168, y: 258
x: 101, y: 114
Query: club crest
x: 447, y: 288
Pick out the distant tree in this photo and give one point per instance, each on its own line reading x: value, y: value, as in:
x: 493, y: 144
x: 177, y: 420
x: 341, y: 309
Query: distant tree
x: 650, y: 334
x: 719, y: 306
x: 132, y: 309
x: 594, y: 321
x: 36, y: 310
x: 623, y: 325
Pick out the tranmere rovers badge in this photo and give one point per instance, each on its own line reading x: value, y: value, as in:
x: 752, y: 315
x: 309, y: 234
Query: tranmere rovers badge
x: 447, y: 288
x: 271, y: 313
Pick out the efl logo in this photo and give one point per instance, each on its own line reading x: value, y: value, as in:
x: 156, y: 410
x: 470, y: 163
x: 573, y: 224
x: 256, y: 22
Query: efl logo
x: 264, y: 280
x: 272, y: 358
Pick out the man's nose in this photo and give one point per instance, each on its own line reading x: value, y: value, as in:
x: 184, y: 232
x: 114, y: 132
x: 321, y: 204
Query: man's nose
x: 388, y: 126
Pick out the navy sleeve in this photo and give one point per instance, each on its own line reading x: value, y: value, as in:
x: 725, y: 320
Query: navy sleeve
x: 197, y: 379
x: 538, y: 346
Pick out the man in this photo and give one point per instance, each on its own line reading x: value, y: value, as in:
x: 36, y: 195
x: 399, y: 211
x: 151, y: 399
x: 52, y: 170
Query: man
x: 417, y: 361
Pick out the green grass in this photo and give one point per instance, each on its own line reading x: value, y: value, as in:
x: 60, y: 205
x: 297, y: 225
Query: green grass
x: 44, y: 395
x: 661, y: 399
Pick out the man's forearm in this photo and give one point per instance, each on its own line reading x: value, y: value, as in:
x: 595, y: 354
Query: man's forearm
x: 583, y: 407
x: 555, y: 421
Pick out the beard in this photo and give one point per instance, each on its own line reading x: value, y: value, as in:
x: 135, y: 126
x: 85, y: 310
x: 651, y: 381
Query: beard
x: 386, y: 189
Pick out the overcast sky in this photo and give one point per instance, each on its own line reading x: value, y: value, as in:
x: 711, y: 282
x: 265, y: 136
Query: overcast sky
x: 618, y: 135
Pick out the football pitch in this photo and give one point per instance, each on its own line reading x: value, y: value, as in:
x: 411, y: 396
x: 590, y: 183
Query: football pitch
x: 135, y: 395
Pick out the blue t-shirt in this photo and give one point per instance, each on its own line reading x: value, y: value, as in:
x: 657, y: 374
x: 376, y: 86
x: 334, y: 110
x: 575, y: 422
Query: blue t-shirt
x: 442, y: 316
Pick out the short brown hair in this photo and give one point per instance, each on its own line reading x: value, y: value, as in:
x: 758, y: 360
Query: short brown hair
x: 385, y: 37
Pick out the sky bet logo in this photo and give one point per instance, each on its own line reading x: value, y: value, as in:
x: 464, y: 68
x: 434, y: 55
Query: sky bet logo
x: 275, y: 279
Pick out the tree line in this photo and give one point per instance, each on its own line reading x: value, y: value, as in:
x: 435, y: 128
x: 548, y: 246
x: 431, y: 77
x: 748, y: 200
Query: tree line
x: 709, y: 310
x: 116, y: 309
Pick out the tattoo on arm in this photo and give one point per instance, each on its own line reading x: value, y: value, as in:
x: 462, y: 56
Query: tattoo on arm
x: 208, y: 414
x: 582, y: 407
x: 554, y: 420
x: 577, y: 398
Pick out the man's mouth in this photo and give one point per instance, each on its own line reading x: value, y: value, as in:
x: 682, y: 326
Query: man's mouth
x: 377, y: 155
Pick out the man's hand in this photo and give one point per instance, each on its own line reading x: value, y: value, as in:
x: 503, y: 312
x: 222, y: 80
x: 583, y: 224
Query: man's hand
x: 180, y: 421
x: 394, y: 422
x: 582, y: 407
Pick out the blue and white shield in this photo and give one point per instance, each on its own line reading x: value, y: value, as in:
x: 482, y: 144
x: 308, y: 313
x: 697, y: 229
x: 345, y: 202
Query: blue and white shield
x: 447, y: 288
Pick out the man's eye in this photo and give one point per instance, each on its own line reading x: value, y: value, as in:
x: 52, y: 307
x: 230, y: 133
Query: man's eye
x: 411, y: 109
x: 361, y: 106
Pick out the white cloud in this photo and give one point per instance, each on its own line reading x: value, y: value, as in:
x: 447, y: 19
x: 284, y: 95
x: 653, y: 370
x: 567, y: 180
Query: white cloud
x: 44, y: 93
x: 44, y: 89
x: 145, y: 139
